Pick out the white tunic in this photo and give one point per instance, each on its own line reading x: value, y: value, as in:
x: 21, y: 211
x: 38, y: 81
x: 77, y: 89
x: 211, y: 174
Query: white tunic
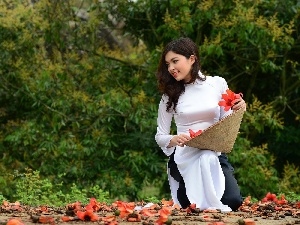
x: 197, y: 109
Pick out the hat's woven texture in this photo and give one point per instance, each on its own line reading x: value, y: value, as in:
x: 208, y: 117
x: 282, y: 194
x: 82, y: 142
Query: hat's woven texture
x: 220, y: 136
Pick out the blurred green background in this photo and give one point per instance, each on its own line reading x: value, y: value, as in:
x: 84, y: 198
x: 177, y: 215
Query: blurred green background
x: 78, y: 93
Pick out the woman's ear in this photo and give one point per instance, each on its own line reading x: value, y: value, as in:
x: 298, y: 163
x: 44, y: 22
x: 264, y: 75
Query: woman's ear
x: 192, y: 58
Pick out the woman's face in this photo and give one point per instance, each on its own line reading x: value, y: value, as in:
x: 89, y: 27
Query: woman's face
x: 179, y: 66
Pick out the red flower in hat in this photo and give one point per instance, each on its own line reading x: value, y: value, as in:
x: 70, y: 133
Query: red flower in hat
x: 228, y: 99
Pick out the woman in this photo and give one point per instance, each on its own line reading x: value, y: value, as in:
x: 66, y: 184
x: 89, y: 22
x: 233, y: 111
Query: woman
x: 202, y: 177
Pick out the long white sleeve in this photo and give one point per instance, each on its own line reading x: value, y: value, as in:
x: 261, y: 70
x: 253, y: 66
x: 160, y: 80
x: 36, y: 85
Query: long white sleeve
x: 164, y: 121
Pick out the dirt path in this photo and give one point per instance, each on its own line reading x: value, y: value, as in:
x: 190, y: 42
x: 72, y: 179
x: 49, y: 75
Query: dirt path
x: 228, y: 219
x: 180, y: 219
x: 267, y: 213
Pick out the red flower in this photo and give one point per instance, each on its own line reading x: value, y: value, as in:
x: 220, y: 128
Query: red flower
x: 74, y: 206
x: 194, y: 134
x: 147, y: 212
x: 67, y: 218
x: 192, y: 209
x: 228, y: 99
x: 47, y: 219
x: 11, y: 206
x: 94, y: 205
x: 88, y: 215
x: 14, y: 222
x: 125, y: 208
x: 109, y: 219
x: 167, y: 202
x: 282, y: 200
x: 134, y: 217
x: 163, y: 216
x: 271, y: 197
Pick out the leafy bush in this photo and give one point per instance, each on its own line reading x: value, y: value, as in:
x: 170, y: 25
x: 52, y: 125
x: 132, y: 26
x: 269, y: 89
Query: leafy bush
x: 290, y: 179
x: 291, y: 196
x: 74, y: 107
x: 2, y: 198
x: 33, y: 190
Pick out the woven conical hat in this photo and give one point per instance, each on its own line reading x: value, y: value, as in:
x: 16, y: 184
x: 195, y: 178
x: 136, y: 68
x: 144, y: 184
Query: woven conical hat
x: 220, y: 136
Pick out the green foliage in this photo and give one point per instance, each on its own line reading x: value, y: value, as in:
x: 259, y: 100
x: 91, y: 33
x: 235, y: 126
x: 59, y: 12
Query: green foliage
x: 75, y: 194
x: 78, y: 93
x: 97, y: 193
x: 255, y: 168
x: 73, y: 106
x: 291, y: 196
x: 260, y: 117
x: 83, y: 195
x: 286, y: 145
x: 2, y: 198
x: 290, y: 179
x: 32, y: 189
x: 152, y: 200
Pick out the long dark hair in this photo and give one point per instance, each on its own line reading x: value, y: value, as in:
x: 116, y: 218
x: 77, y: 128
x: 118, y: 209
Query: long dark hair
x: 167, y: 84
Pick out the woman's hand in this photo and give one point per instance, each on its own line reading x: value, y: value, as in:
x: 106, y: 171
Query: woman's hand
x: 239, y: 103
x: 179, y: 140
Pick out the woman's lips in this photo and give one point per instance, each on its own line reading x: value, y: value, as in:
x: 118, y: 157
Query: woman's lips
x: 174, y: 74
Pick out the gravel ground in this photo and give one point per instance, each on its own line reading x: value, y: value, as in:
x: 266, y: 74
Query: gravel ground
x: 278, y: 212
x: 201, y: 218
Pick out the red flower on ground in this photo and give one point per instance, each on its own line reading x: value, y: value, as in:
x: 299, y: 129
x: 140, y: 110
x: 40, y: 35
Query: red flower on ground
x: 248, y: 221
x: 76, y: 206
x: 112, y: 223
x: 43, y: 208
x: 14, y: 222
x: 147, y: 212
x: 228, y: 99
x: 94, y: 205
x: 134, y: 217
x: 108, y: 219
x: 11, y: 206
x: 125, y: 208
x: 67, y: 218
x: 47, y: 219
x: 192, y: 208
x: 163, y: 216
x: 88, y: 215
x: 247, y: 201
x: 269, y: 197
x: 167, y: 202
x: 282, y: 200
x: 194, y: 134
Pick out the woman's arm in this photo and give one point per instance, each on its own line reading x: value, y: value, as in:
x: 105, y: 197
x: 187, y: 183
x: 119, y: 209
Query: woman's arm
x: 164, y: 120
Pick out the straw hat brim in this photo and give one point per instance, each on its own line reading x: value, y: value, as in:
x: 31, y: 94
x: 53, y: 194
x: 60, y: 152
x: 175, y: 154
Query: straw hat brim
x: 220, y: 136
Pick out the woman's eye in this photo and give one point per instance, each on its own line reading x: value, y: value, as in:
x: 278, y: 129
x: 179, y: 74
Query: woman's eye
x: 175, y: 61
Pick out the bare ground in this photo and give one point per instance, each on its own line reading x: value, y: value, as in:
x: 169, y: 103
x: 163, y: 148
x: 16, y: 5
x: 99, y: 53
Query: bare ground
x: 232, y: 218
x: 279, y: 212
